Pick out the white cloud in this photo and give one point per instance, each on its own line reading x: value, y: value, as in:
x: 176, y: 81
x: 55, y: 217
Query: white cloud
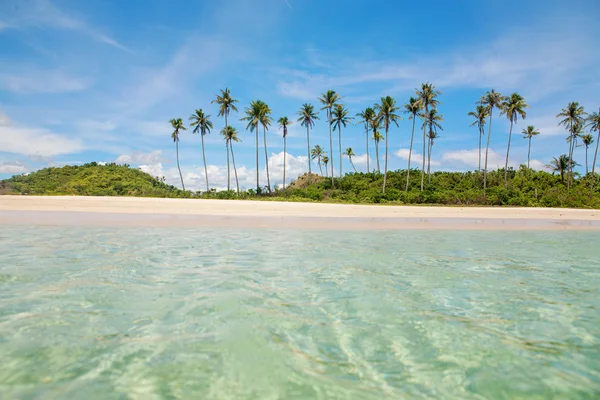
x: 12, y: 168
x: 416, y: 159
x: 496, y: 160
x: 40, y: 81
x: 153, y: 158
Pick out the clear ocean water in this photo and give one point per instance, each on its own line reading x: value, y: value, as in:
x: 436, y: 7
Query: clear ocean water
x: 179, y: 313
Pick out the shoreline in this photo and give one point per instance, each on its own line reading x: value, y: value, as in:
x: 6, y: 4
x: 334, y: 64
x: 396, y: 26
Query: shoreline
x: 133, y: 211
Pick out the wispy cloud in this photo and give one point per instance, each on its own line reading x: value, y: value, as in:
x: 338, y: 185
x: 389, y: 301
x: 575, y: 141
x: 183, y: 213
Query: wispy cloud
x: 42, y: 81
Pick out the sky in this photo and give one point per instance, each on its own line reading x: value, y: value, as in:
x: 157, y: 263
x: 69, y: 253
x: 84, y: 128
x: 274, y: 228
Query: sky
x: 99, y: 80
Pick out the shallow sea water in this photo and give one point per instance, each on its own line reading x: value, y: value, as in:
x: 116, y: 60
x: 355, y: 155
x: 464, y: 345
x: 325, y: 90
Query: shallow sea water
x: 180, y: 313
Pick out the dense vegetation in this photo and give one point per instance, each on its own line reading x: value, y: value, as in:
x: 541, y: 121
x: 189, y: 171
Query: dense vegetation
x: 526, y: 187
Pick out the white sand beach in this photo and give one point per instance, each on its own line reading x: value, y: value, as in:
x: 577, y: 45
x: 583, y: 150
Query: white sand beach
x: 96, y: 210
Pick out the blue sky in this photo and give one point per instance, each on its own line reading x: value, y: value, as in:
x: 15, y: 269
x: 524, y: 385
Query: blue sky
x: 99, y: 80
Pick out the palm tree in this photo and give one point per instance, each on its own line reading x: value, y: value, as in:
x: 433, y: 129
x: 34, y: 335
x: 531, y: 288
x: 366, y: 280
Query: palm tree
x: 177, y: 125
x: 528, y: 133
x: 329, y: 99
x: 561, y: 165
x: 340, y: 117
x: 201, y: 123
x: 386, y: 113
x: 265, y: 121
x: 489, y: 100
x: 593, y: 122
x: 572, y: 115
x: 318, y: 153
x: 513, y: 107
x: 428, y: 95
x: 284, y: 122
x: 413, y: 107
x: 325, y: 160
x: 230, y: 134
x: 432, y: 119
x: 226, y: 104
x: 307, y: 119
x: 350, y: 153
x: 480, y: 114
x: 377, y: 137
x: 253, y: 117
x: 587, y: 140
x: 366, y: 117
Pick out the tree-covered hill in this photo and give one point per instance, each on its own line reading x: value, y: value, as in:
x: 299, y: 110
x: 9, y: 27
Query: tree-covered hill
x: 91, y: 179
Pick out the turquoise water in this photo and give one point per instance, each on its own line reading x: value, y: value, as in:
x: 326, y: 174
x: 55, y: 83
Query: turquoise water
x: 165, y: 313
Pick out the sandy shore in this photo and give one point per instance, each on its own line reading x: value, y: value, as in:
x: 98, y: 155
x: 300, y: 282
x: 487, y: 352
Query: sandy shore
x: 65, y: 210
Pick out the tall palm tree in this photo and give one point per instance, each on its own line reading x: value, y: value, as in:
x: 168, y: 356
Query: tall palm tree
x: 366, y: 117
x: 177, y: 125
x: 340, y: 117
x: 265, y: 121
x: 284, y: 122
x: 386, y: 113
x: 318, y: 153
x: 413, y: 108
x: 489, y: 100
x: 350, y: 153
x: 325, y: 160
x: 572, y: 115
x: 377, y: 137
x: 593, y: 123
x: 226, y: 104
x: 428, y: 95
x: 230, y: 134
x: 253, y: 117
x: 201, y: 123
x: 529, y: 133
x: 587, y: 140
x: 329, y: 99
x: 480, y: 114
x: 432, y: 119
x: 308, y: 116
x: 513, y: 107
x: 561, y: 165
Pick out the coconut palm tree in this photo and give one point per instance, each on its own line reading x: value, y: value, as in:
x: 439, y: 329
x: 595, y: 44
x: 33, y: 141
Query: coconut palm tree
x: 587, y: 140
x: 230, y: 134
x: 317, y: 153
x: 480, y: 114
x: 513, y: 107
x: 284, y: 122
x: 308, y: 116
x: 253, y: 117
x: 201, y: 123
x: 325, y: 160
x: 265, y: 121
x: 366, y: 117
x: 413, y: 108
x: 572, y: 115
x: 561, y: 165
x: 428, y: 95
x: 339, y: 117
x: 432, y: 120
x: 593, y: 123
x: 489, y: 100
x: 377, y: 137
x: 226, y: 104
x: 386, y: 113
x: 350, y: 153
x: 177, y: 125
x: 329, y: 99
x: 529, y: 133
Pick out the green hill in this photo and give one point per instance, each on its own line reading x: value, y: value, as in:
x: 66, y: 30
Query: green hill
x: 90, y: 179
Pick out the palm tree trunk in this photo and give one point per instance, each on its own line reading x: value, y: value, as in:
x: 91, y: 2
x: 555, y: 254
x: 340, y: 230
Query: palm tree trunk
x: 204, y: 159
x: 423, y: 163
x: 480, y: 134
x: 594, y: 163
x: 367, y: 144
x: 228, y: 168
x: 177, y: 150
x: 330, y: 146
x: 267, y: 158
x: 529, y: 152
x: 319, y: 164
x: 487, y: 147
x: 340, y: 147
x: 429, y: 161
x: 377, y: 155
x: 387, y: 127
x: 412, y: 136
x: 586, y: 160
x: 257, y: 170
x: 352, y: 164
x: 308, y: 148
x: 507, y: 151
x: 570, y: 166
x: 237, y: 182
x: 284, y: 154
